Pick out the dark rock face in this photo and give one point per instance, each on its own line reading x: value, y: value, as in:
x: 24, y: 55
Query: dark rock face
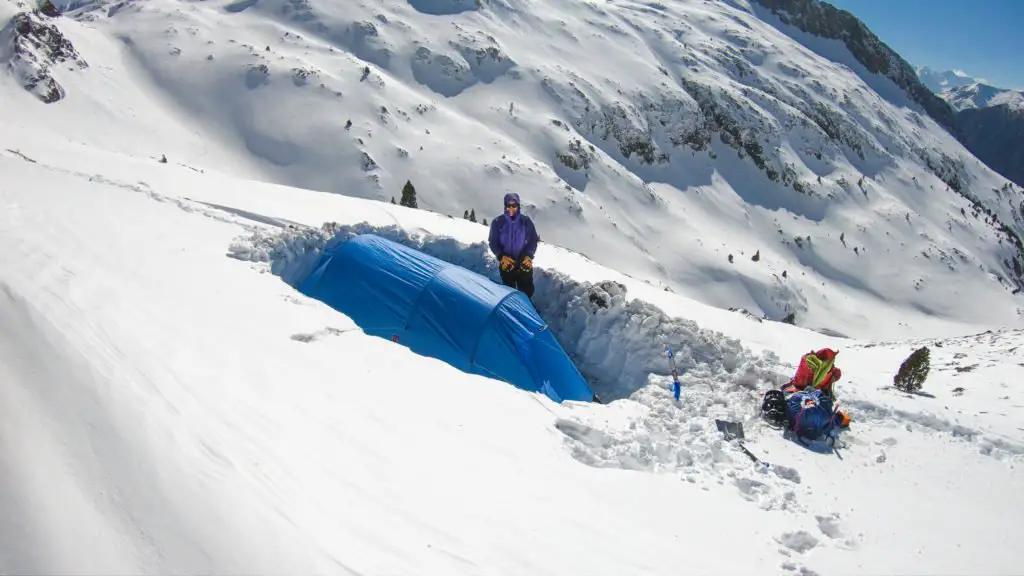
x: 826, y: 21
x: 49, y: 10
x: 31, y: 47
x: 996, y: 136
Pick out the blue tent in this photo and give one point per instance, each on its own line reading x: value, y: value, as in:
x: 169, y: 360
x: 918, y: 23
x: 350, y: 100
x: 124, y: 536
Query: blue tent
x: 447, y: 312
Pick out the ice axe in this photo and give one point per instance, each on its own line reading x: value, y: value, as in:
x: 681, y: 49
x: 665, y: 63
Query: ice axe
x: 734, y: 431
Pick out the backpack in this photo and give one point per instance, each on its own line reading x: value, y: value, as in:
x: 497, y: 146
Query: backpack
x: 810, y: 412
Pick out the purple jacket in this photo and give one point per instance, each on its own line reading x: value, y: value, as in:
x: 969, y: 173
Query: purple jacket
x: 513, y: 237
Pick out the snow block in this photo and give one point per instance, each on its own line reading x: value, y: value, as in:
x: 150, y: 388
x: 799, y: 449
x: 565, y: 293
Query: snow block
x: 447, y: 312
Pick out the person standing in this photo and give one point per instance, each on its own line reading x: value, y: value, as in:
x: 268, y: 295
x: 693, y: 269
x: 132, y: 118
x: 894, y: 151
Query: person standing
x: 513, y: 241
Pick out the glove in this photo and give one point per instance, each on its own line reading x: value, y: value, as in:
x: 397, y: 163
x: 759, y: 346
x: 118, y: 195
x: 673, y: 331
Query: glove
x: 527, y: 264
x: 507, y: 263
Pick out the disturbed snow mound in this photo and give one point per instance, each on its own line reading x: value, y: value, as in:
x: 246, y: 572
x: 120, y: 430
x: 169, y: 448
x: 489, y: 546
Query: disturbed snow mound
x: 616, y: 343
x: 651, y: 432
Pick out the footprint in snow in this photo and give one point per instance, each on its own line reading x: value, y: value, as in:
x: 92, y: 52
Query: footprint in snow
x: 767, y: 496
x: 801, y: 570
x: 312, y: 337
x: 293, y: 300
x: 830, y: 526
x: 786, y: 473
x: 799, y: 541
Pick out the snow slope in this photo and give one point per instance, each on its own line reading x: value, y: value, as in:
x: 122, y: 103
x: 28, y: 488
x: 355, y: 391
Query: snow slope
x: 171, y: 404
x: 674, y: 142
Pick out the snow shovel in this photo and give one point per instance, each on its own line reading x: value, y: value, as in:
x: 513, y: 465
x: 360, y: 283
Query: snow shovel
x: 676, y: 386
x: 734, y: 431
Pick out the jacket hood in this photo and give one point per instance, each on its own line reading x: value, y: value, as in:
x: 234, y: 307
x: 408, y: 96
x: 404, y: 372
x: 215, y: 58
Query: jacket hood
x: 512, y: 196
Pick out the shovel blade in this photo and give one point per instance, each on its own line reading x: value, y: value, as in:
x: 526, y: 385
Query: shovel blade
x: 730, y: 429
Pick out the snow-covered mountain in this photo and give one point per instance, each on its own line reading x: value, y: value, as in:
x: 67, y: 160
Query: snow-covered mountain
x: 939, y: 81
x: 979, y: 95
x: 171, y: 403
x: 696, y: 118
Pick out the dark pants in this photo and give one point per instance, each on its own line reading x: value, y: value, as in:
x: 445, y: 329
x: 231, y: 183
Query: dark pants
x: 519, y: 279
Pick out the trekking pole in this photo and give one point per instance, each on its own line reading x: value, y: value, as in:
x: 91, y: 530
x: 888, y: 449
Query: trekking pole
x: 676, y: 386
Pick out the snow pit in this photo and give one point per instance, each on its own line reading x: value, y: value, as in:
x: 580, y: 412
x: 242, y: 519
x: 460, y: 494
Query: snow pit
x: 618, y: 344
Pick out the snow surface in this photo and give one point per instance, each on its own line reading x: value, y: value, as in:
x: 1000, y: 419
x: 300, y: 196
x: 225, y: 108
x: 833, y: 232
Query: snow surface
x: 169, y: 403
x: 172, y: 404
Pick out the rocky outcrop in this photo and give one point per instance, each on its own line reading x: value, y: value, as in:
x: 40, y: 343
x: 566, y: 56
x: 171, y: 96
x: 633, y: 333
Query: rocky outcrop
x: 31, y: 46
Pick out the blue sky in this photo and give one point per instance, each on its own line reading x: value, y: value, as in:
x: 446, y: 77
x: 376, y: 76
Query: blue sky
x: 984, y: 38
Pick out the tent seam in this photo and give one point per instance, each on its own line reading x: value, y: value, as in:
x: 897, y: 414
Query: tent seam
x: 416, y: 304
x: 483, y: 327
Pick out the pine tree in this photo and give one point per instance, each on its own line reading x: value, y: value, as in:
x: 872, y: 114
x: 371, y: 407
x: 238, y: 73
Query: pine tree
x: 392, y: 199
x: 485, y: 222
x: 472, y: 215
x: 465, y: 215
x: 409, y: 195
x: 913, y: 371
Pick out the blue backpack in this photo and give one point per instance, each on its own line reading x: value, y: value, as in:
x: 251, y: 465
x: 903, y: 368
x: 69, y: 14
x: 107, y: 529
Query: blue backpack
x: 811, y: 414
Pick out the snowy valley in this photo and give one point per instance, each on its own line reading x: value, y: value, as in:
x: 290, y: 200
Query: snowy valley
x: 704, y: 176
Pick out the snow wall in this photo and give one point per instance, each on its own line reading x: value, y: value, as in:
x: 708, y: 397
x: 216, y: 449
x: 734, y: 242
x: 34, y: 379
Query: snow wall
x: 447, y: 312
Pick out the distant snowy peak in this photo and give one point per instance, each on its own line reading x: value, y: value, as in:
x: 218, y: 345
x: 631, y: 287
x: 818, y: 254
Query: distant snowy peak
x: 979, y: 95
x: 941, y: 80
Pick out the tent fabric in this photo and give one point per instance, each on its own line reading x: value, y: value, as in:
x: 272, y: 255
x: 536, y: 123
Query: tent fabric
x: 447, y: 312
